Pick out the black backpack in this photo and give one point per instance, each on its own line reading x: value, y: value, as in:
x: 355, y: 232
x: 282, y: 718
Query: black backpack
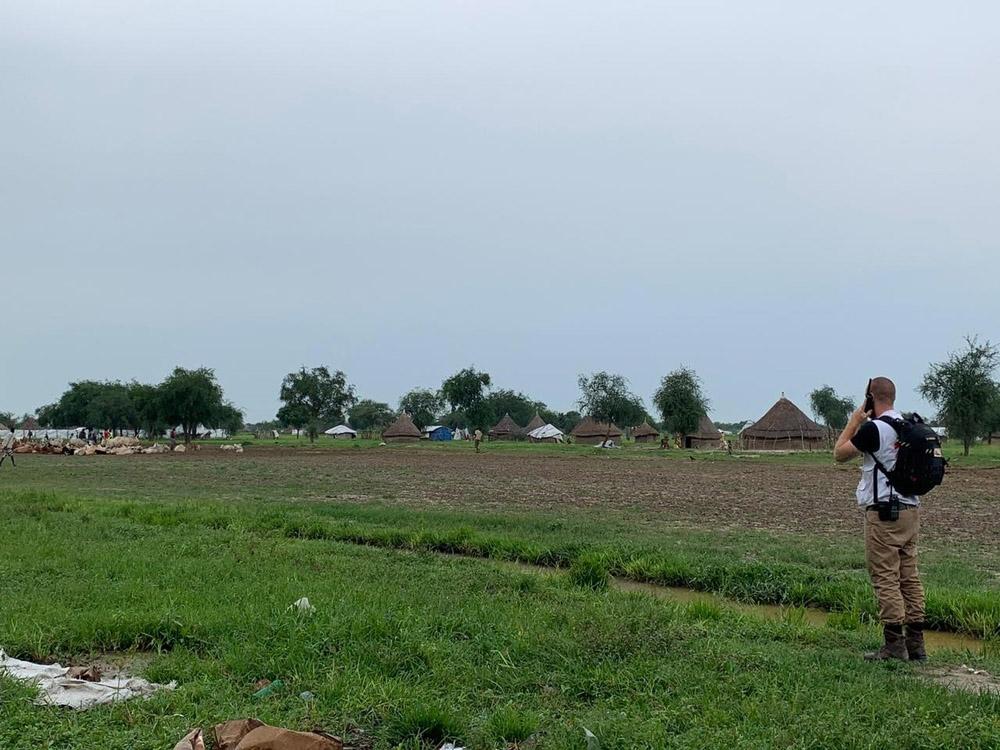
x: 919, y: 465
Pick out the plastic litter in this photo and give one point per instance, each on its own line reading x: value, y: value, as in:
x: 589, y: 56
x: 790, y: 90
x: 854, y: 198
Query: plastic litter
x: 270, y: 689
x: 303, y: 605
x: 57, y: 688
x: 307, y: 696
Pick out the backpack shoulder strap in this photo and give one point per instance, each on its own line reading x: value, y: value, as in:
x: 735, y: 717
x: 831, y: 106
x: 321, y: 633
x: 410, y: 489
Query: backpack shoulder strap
x: 894, y: 422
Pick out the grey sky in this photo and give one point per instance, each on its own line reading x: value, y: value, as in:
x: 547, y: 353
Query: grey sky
x: 542, y: 189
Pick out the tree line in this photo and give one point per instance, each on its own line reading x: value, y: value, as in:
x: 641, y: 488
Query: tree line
x: 962, y: 388
x: 185, y: 398
x: 316, y: 398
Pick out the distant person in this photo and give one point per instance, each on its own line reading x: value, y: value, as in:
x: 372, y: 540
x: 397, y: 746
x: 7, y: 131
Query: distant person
x: 477, y: 437
x: 890, y: 544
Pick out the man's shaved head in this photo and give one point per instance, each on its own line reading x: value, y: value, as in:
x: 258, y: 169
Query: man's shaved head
x: 883, y: 390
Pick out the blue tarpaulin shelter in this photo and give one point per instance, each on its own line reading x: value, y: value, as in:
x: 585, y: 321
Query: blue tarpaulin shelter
x: 438, y: 432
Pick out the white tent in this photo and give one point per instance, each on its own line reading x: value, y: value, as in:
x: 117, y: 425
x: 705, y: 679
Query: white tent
x: 341, y: 431
x: 546, y: 432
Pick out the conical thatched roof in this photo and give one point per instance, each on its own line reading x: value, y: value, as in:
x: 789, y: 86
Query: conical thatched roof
x: 588, y: 428
x: 30, y: 424
x: 534, y: 424
x: 402, y: 427
x: 706, y: 429
x: 506, y: 426
x: 644, y: 430
x: 784, y: 420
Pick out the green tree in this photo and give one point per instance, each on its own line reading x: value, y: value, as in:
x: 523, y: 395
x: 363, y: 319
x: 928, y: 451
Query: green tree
x: 606, y: 397
x: 422, y: 405
x: 190, y: 398
x: 148, y: 408
x: 464, y: 392
x: 565, y: 421
x: 313, y: 396
x: 831, y: 409
x: 227, y: 417
x: 962, y: 388
x: 680, y: 401
x: 993, y: 417
x: 370, y: 415
x: 74, y: 407
x: 520, y: 407
x: 7, y: 420
x: 112, y: 407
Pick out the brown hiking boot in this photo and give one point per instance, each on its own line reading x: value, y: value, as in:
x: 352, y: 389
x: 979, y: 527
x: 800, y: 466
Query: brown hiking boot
x: 915, y: 641
x: 894, y: 647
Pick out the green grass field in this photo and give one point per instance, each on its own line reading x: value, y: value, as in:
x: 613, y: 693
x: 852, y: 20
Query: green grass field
x: 188, y: 564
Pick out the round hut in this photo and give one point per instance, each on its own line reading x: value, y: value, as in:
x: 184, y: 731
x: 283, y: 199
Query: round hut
x: 402, y: 431
x: 784, y: 427
x: 505, y: 429
x: 534, y: 424
x: 706, y: 437
x: 645, y: 433
x: 591, y: 432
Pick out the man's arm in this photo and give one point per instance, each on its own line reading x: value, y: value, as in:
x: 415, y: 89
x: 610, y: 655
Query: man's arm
x: 844, y: 450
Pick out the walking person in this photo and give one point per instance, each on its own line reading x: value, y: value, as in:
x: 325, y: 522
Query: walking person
x: 890, y: 535
x: 478, y: 438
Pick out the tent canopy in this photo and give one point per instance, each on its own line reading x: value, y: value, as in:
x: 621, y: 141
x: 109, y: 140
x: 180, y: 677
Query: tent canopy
x: 340, y: 429
x: 546, y: 432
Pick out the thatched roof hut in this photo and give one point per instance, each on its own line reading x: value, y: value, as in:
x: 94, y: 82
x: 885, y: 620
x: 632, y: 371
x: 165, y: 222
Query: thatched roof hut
x: 594, y: 433
x: 645, y: 433
x: 505, y: 429
x: 534, y: 424
x: 784, y: 427
x: 707, y: 435
x: 402, y: 430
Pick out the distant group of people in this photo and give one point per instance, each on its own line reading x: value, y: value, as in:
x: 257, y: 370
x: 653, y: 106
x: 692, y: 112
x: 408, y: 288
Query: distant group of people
x: 92, y: 436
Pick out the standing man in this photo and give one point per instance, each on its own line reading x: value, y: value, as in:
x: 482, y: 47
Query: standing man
x: 478, y: 438
x: 890, y: 545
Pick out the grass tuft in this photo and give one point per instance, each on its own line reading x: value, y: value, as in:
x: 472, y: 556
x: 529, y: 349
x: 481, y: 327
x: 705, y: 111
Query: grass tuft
x: 589, y: 572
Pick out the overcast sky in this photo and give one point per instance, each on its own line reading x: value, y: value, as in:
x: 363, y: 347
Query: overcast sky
x: 777, y: 194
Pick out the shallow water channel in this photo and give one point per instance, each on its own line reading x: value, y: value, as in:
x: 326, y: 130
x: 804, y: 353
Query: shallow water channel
x: 936, y: 640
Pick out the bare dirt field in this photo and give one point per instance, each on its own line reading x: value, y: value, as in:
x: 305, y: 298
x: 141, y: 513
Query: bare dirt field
x: 743, y: 493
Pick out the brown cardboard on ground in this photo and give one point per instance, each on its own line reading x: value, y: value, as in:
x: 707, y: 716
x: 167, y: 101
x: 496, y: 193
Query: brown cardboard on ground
x: 193, y: 740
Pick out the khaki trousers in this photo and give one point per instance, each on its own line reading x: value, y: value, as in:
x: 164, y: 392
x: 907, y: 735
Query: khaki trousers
x: 891, y: 554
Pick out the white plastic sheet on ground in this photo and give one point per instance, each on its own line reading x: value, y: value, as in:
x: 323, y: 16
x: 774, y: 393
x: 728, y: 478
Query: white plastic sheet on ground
x: 56, y: 689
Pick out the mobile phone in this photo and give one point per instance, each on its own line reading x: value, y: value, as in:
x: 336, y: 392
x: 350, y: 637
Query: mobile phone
x: 869, y: 399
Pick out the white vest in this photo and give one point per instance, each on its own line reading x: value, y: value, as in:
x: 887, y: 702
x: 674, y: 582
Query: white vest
x: 886, y: 454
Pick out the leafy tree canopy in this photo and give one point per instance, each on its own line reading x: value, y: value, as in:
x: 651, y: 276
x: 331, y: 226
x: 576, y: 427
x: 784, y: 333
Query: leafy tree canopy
x: 680, y: 401
x: 190, y: 398
x: 831, y: 409
x: 371, y: 415
x: 312, y: 397
x: 520, y: 407
x: 993, y: 417
x: 607, y: 398
x: 463, y: 391
x: 422, y: 405
x: 963, y: 389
